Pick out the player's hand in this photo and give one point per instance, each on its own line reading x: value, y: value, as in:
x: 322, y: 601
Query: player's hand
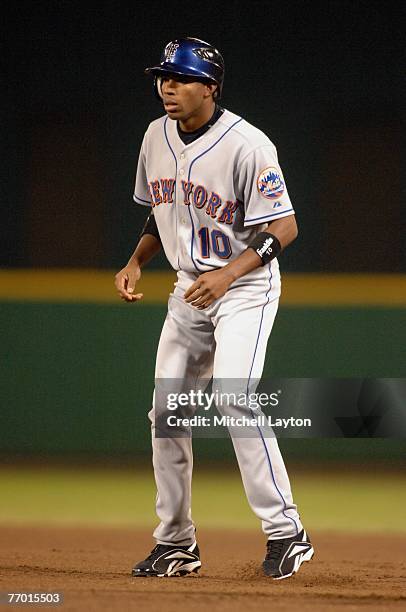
x: 125, y: 282
x: 208, y: 287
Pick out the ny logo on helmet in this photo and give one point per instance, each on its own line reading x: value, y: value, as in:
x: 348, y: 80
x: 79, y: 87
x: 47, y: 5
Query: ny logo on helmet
x: 170, y: 50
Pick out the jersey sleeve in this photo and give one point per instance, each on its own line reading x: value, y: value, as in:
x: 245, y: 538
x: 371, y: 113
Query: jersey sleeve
x: 263, y: 188
x: 141, y: 190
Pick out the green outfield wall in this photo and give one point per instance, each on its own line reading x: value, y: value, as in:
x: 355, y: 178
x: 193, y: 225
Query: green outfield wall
x: 78, y: 377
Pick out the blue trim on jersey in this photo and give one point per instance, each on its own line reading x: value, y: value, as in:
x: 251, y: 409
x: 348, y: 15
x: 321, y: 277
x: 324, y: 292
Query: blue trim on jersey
x: 253, y: 414
x: 207, y: 264
x: 265, y: 217
x: 135, y: 198
x: 260, y: 324
x: 192, y: 240
x: 189, y: 173
x: 212, y: 146
x: 176, y: 172
x: 172, y: 151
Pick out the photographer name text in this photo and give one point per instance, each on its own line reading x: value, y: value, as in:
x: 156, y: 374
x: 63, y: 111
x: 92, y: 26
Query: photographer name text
x: 231, y: 421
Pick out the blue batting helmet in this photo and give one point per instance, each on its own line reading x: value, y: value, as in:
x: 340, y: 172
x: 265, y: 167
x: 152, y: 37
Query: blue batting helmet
x: 190, y: 57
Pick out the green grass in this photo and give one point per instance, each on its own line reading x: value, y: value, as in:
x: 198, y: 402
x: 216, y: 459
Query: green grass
x: 347, y: 501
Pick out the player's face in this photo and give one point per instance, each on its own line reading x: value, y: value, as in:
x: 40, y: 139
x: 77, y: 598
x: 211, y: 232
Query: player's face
x: 184, y: 98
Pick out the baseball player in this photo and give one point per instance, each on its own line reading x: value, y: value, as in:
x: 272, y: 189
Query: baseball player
x: 221, y: 211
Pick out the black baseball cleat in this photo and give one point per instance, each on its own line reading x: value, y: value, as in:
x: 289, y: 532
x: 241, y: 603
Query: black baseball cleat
x: 165, y: 561
x: 284, y: 557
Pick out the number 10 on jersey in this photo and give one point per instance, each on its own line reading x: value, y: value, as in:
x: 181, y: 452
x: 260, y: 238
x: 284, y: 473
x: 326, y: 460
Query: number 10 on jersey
x: 216, y: 241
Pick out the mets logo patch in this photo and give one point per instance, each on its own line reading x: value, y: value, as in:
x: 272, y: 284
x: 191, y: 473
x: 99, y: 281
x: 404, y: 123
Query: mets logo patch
x: 270, y: 183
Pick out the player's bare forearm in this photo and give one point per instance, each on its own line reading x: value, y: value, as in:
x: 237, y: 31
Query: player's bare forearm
x: 127, y: 278
x: 284, y: 229
x: 212, y: 285
x: 146, y: 249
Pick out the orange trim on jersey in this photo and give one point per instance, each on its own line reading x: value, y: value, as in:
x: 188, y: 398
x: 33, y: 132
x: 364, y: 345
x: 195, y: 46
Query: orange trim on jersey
x: 224, y: 237
x: 187, y: 187
x: 214, y: 203
x: 167, y: 186
x: 156, y: 191
x: 227, y: 214
x: 199, y: 189
x: 207, y: 244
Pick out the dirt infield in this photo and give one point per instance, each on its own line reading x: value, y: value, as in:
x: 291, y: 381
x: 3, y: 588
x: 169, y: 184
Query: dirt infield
x: 91, y: 567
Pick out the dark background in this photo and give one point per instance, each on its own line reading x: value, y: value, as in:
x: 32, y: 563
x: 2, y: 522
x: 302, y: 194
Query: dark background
x: 323, y: 80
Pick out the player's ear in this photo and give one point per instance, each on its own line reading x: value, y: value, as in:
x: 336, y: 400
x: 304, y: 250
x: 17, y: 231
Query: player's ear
x: 211, y: 90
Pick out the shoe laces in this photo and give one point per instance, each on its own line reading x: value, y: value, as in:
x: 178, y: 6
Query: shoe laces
x: 274, y: 549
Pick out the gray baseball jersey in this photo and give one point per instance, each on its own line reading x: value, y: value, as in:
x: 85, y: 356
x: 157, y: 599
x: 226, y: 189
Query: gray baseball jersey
x: 210, y: 198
